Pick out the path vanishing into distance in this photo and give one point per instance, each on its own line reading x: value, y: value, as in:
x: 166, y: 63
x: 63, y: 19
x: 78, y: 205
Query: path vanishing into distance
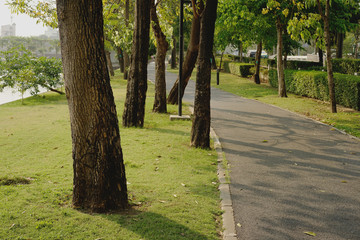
x: 291, y: 177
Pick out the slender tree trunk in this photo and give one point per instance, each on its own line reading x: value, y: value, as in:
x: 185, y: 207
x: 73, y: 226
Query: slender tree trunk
x: 339, y: 45
x: 279, y: 60
x: 99, y: 172
x: 191, y: 55
x: 162, y: 46
x: 321, y: 56
x: 241, y: 51
x: 126, y: 55
x: 109, y: 63
x: 328, y: 57
x: 200, y: 132
x: 134, y: 111
x: 173, y: 54
x: 285, y: 60
x: 120, y: 57
x: 257, y: 63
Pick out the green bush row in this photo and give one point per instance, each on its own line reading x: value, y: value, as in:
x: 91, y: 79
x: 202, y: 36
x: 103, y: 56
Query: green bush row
x: 315, y: 84
x: 294, y: 65
x: 346, y: 66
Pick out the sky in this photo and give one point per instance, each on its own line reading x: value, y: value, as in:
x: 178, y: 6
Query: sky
x: 25, y: 26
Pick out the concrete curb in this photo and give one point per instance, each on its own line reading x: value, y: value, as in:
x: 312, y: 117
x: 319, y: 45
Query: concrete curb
x: 229, y: 231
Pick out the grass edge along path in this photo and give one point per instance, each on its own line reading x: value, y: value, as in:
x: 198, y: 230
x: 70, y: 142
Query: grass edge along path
x: 347, y: 120
x: 173, y: 187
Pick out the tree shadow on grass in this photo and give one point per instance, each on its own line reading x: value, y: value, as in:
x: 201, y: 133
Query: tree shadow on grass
x: 150, y: 225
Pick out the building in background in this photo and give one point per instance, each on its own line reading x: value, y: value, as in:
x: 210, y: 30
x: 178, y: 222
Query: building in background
x: 52, y: 33
x: 8, y: 30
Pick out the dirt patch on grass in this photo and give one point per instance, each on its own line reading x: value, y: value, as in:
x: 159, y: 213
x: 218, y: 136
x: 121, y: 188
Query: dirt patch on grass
x: 7, y: 181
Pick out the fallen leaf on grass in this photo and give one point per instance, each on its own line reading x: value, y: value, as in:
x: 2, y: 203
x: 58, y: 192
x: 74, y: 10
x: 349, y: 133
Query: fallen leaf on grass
x: 310, y: 233
x: 183, y: 184
x: 239, y: 225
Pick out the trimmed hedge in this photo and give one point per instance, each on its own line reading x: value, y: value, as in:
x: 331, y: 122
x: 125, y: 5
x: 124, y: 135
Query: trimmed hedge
x: 240, y: 69
x: 295, y: 65
x: 346, y: 66
x: 314, y: 84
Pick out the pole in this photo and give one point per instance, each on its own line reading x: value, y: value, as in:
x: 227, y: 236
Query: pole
x: 181, y: 55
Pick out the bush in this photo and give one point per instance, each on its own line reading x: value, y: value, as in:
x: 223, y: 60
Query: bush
x: 314, y: 84
x: 346, y: 66
x: 240, y: 69
x: 294, y: 65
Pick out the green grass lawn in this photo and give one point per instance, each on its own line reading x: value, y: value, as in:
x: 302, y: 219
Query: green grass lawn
x: 172, y: 186
x: 346, y: 119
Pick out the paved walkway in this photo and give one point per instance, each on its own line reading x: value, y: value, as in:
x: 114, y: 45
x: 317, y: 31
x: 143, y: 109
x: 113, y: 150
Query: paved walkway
x: 289, y: 175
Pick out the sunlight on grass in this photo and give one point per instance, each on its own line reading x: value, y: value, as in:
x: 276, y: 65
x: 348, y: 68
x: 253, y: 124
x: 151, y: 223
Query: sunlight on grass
x: 170, y: 184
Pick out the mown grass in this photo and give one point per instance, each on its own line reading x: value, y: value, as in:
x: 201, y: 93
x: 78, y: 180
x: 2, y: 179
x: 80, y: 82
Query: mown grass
x: 346, y: 119
x: 172, y: 186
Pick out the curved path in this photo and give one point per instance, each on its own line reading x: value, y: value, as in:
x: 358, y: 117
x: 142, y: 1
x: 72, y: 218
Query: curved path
x: 291, y: 177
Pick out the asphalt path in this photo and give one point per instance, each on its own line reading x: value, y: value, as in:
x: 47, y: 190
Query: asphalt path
x: 291, y: 177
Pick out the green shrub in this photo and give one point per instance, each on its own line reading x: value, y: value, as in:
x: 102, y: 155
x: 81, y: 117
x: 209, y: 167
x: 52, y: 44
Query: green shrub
x: 346, y: 66
x: 314, y: 84
x: 303, y: 65
x: 240, y: 69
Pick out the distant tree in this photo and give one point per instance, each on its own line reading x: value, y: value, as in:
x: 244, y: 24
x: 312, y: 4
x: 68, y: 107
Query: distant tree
x: 191, y: 53
x: 99, y: 171
x: 20, y: 69
x: 161, y: 48
x: 134, y: 111
x: 200, y: 132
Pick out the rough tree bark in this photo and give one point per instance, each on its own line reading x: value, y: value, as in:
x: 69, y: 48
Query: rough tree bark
x: 325, y: 16
x: 257, y: 63
x: 321, y: 56
x: 279, y: 60
x: 109, y: 63
x: 126, y: 55
x: 134, y: 111
x: 191, y: 53
x: 200, y: 132
x: 162, y: 46
x: 99, y: 172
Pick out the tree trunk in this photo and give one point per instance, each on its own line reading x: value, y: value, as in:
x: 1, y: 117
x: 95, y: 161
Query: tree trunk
x: 120, y: 57
x: 213, y: 62
x: 109, y: 63
x: 285, y: 60
x: 241, y: 51
x: 126, y: 55
x: 279, y: 60
x: 257, y: 63
x: 191, y: 56
x: 200, y: 132
x: 162, y: 46
x: 173, y: 54
x: 328, y: 58
x: 321, y: 56
x: 134, y: 110
x: 339, y: 45
x: 99, y: 172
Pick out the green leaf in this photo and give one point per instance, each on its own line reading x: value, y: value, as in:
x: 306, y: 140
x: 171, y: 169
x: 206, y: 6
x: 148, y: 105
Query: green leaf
x: 310, y: 233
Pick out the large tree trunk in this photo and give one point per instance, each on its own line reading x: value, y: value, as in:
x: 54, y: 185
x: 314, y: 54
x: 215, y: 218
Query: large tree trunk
x: 120, y: 57
x: 109, y: 63
x: 200, y: 132
x: 339, y: 44
x: 99, y: 172
x: 126, y: 55
x: 173, y: 54
x: 191, y: 55
x: 162, y: 46
x: 328, y: 57
x: 241, y: 51
x: 257, y: 63
x: 279, y: 59
x: 134, y: 111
